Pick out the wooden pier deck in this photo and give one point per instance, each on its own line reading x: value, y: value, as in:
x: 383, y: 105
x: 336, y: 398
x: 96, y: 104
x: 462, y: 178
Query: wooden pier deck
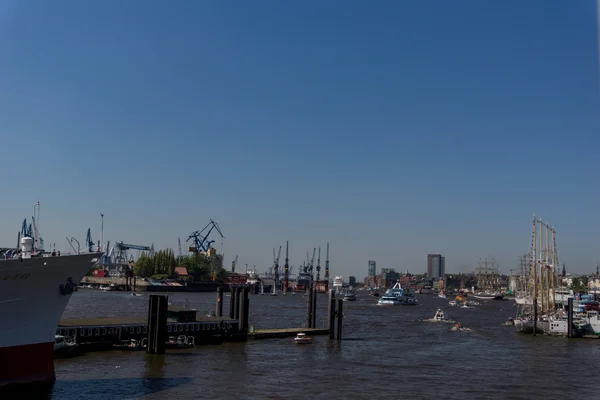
x: 284, y: 332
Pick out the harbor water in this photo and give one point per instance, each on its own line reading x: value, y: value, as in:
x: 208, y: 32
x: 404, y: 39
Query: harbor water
x: 386, y: 352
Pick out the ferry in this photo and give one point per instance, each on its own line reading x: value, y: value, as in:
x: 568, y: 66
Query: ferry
x: 397, y: 296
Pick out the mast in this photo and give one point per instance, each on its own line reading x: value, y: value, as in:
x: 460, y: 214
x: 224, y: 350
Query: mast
x: 327, y: 264
x: 534, y: 259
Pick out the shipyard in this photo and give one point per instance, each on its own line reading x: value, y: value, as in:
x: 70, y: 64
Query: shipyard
x: 224, y: 200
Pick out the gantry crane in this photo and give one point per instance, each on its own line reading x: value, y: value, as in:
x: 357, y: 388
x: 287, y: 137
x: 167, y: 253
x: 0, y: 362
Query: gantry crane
x: 276, y: 266
x: 286, y: 269
x: 201, y: 244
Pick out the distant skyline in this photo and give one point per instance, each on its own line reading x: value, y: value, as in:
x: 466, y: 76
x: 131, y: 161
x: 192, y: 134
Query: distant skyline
x: 390, y: 131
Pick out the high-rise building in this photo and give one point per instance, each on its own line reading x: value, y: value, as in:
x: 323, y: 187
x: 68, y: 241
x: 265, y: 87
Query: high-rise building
x: 372, y: 268
x: 436, y: 266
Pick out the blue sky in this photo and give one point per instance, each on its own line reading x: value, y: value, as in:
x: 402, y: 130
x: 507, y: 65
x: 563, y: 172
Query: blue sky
x: 390, y: 129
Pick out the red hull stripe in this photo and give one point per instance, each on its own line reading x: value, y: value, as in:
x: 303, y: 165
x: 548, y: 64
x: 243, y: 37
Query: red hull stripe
x: 27, y: 364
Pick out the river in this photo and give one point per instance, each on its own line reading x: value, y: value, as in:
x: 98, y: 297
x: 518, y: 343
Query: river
x: 386, y: 352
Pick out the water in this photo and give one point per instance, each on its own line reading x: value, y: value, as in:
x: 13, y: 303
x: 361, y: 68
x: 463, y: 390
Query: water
x: 386, y: 352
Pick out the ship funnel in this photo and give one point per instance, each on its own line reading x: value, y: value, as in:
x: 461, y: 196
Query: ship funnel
x: 26, y: 247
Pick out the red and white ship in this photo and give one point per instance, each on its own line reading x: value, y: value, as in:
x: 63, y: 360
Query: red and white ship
x: 34, y: 292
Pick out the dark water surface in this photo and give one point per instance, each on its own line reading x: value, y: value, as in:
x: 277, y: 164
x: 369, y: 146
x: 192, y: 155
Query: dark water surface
x: 386, y: 352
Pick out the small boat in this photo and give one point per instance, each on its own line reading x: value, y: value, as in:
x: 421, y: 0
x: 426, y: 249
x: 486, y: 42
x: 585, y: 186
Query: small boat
x: 135, y: 294
x: 301, y: 338
x: 64, y: 346
x: 349, y: 296
x: 439, y: 316
x: 181, y: 342
x: 132, y: 345
x: 459, y: 328
x: 452, y: 303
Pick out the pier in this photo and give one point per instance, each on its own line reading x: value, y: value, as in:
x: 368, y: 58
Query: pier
x: 101, y: 333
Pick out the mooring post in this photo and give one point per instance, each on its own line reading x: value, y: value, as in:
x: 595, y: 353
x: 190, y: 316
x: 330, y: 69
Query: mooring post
x: 158, y: 308
x: 331, y: 313
x: 231, y: 302
x: 535, y: 316
x: 314, y: 308
x: 340, y: 317
x: 219, y: 310
x: 309, y: 308
x: 245, y: 310
x: 570, y: 317
x: 238, y: 295
x: 134, y: 283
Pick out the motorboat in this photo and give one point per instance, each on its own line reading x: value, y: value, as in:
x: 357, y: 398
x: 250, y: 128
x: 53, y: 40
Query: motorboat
x: 439, y: 316
x: 182, y: 342
x: 64, y: 346
x: 132, y: 345
x: 301, y: 338
x: 349, y: 296
x: 452, y: 303
x: 458, y: 327
x: 397, y: 296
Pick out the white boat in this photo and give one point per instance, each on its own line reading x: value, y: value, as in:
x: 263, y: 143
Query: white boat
x: 525, y: 325
x: 452, y: 303
x: 35, y: 288
x: 64, y: 346
x: 439, y: 316
x: 398, y: 297
x: 301, y: 338
x: 349, y: 296
x: 441, y: 295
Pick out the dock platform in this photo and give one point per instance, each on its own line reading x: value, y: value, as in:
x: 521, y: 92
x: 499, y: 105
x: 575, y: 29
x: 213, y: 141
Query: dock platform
x: 284, y: 332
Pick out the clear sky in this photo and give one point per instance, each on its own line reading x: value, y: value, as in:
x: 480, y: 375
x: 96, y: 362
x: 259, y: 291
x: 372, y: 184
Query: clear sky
x: 391, y: 129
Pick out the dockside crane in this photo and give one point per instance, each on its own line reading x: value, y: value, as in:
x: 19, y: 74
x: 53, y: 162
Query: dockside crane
x: 179, y: 243
x: 286, y: 269
x: 234, y: 264
x: 200, y: 239
x: 276, y: 266
x: 319, y: 265
x: 88, y: 240
x: 312, y: 263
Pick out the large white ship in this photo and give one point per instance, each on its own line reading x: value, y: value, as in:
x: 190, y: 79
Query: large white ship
x: 34, y: 292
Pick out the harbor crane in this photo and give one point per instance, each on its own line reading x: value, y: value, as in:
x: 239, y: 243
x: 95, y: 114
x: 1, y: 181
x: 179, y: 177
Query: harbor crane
x: 319, y: 265
x: 276, y: 266
x: 201, y: 244
x: 286, y: 269
x: 122, y: 248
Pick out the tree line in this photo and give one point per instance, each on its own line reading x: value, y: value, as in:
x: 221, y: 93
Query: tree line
x: 162, y: 264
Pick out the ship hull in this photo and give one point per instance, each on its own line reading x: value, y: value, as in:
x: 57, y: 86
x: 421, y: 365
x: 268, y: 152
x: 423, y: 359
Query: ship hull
x: 33, y: 295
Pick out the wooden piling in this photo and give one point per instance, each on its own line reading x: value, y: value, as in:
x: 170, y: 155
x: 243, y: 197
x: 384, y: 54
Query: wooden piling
x: 314, y: 308
x: 331, y: 313
x: 309, y: 308
x: 244, y: 310
x: 535, y: 316
x: 340, y: 317
x: 570, y: 317
x: 157, y: 324
x: 219, y: 310
x: 232, y: 302
x: 238, y: 295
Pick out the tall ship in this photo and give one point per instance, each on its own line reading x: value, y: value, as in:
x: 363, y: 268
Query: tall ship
x: 35, y: 288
